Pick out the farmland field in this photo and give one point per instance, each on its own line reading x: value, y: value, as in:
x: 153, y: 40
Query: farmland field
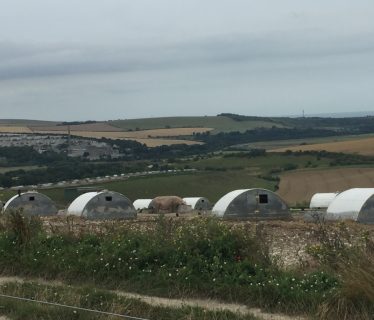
x: 144, y: 134
x: 363, y: 146
x: 216, y: 176
x: 14, y: 129
x: 219, y: 123
x: 106, y: 128
x: 151, y: 138
x: 156, y: 142
x: 261, y: 163
x: 26, y: 122
x: 212, y: 185
x: 98, y: 126
x: 299, y: 186
x: 276, y: 145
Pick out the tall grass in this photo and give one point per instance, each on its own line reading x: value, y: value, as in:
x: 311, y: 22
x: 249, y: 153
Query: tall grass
x: 352, y: 260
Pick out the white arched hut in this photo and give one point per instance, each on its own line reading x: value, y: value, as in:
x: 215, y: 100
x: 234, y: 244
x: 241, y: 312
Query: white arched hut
x: 248, y: 203
x: 102, y: 205
x: 142, y: 204
x: 322, y: 200
x: 354, y: 204
x: 31, y: 203
x: 198, y: 203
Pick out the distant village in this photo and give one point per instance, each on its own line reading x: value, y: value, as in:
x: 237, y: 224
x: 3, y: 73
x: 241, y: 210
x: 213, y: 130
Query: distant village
x: 74, y: 147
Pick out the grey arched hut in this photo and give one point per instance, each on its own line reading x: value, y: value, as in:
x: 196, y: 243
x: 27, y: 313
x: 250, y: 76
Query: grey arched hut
x: 247, y: 203
x: 354, y: 204
x: 31, y: 203
x: 102, y: 205
x: 198, y: 203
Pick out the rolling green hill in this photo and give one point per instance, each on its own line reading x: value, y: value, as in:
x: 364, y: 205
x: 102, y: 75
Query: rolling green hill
x: 219, y: 123
x: 26, y: 122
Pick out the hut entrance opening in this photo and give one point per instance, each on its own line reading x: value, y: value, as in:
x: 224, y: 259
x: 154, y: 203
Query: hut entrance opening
x: 263, y: 199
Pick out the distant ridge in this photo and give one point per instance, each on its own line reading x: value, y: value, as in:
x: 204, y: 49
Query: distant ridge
x: 27, y: 122
x: 357, y: 114
x: 201, y: 119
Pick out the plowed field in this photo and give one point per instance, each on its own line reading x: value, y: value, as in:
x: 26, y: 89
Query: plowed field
x: 300, y: 186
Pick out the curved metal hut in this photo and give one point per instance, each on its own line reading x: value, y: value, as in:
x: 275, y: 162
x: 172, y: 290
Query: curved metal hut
x: 102, y: 205
x: 32, y: 203
x: 251, y: 203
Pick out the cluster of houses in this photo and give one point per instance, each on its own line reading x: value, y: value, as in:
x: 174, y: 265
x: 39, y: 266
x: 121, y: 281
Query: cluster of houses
x: 355, y: 204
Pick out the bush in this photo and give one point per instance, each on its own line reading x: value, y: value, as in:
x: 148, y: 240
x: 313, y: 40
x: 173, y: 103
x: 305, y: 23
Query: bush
x: 289, y: 166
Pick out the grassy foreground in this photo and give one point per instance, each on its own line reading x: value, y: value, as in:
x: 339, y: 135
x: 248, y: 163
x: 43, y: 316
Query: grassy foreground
x: 203, y: 257
x: 196, y: 258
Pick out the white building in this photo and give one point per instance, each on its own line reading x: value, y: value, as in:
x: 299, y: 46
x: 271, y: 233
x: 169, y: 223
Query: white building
x: 142, y: 204
x: 354, y: 204
x: 198, y: 203
x: 322, y: 200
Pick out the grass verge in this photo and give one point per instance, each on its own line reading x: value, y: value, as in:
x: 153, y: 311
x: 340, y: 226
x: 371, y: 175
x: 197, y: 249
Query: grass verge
x: 91, y: 298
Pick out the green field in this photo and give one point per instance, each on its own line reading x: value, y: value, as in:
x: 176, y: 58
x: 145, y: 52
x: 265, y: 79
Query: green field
x: 216, y: 176
x: 260, y: 164
x: 219, y: 123
x: 212, y: 185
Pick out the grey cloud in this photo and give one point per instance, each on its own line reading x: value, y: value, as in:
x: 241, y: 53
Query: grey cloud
x: 29, y: 61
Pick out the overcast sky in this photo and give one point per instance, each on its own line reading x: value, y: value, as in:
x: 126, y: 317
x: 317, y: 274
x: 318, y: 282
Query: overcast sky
x: 111, y: 59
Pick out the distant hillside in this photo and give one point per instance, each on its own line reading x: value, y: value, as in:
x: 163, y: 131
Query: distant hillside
x: 227, y: 122
x: 27, y: 123
x: 343, y: 114
x: 220, y: 123
x: 351, y: 124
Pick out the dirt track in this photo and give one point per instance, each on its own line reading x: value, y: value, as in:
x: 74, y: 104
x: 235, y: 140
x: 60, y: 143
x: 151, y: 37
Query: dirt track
x: 211, y: 305
x: 299, y: 186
